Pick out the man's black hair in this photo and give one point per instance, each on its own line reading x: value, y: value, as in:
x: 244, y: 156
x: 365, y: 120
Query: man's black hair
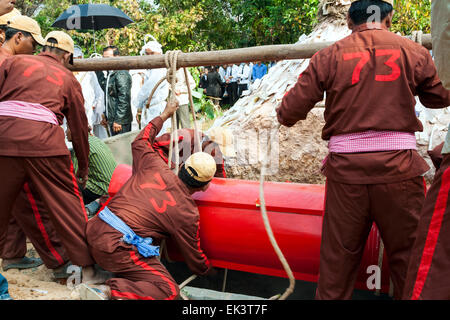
x: 360, y: 11
x: 11, y: 32
x: 51, y: 49
x: 114, y: 49
x: 188, y: 180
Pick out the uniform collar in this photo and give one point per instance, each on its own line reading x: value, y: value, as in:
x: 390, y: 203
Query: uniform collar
x: 50, y: 55
x: 369, y: 26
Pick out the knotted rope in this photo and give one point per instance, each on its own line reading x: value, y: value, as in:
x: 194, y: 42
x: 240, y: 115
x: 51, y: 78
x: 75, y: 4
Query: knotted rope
x: 171, y: 60
x: 171, y: 64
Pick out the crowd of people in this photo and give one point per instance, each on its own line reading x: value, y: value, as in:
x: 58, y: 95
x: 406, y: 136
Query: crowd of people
x: 55, y: 167
x: 225, y: 84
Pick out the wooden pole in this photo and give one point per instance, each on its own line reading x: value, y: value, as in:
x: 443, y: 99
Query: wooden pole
x: 208, y: 58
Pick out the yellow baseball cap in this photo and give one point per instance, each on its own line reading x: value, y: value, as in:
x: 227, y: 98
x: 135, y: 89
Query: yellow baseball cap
x: 24, y: 23
x: 224, y: 138
x: 391, y: 2
x: 63, y: 42
x: 6, y: 17
x: 201, y: 167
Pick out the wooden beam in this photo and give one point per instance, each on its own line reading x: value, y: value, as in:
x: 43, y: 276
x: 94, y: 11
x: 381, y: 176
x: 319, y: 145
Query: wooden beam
x: 207, y: 58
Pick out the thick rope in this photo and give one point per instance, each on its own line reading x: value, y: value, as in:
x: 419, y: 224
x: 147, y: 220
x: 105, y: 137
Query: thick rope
x: 170, y: 59
x: 380, y: 262
x: 264, y: 164
x: 185, y: 283
x: 197, y: 141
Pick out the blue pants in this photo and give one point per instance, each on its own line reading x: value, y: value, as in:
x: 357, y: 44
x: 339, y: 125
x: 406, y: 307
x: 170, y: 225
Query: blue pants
x: 4, y: 295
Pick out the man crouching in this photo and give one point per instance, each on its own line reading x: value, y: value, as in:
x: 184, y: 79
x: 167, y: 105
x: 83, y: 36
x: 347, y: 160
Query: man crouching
x: 152, y: 205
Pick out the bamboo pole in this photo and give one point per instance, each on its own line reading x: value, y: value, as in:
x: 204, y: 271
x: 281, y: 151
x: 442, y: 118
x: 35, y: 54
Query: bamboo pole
x: 207, y: 58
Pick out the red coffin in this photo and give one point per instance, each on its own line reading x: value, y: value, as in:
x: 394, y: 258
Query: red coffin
x: 233, y: 235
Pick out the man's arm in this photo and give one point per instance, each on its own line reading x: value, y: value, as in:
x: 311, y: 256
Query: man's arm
x: 430, y: 90
x: 298, y: 101
x: 78, y: 125
x: 145, y: 139
x: 123, y: 87
x: 5, y: 66
x: 188, y: 240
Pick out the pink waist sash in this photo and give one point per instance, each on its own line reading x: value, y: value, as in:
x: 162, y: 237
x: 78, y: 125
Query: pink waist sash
x: 27, y: 110
x: 372, y: 141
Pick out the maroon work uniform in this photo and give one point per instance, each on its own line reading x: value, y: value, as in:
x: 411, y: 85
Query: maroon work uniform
x: 186, y: 144
x: 429, y: 272
x: 370, y: 78
x: 35, y: 151
x: 31, y: 219
x: 37, y: 226
x: 154, y: 203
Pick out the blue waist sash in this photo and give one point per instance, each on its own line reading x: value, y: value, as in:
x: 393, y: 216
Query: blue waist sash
x: 142, y: 244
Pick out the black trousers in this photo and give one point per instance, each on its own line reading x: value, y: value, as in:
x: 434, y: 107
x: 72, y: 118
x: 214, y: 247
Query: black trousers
x: 233, y: 92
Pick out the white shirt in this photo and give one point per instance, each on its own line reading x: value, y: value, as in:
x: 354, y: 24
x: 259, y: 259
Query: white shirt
x: 158, y: 102
x: 235, y: 70
x: 244, y: 74
x: 93, y: 97
x: 181, y: 87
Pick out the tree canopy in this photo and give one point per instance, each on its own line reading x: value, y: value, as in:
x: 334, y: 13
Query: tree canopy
x: 199, y: 25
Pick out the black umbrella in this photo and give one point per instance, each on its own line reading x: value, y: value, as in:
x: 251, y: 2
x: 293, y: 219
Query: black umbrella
x: 92, y: 17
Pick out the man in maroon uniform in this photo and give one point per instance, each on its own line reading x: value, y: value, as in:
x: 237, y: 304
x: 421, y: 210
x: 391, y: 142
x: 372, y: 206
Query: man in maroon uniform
x: 429, y: 267
x: 373, y: 170
x: 22, y: 36
x: 152, y: 205
x: 36, y: 93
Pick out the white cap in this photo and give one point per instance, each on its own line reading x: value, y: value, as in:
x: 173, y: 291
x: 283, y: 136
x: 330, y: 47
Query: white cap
x: 153, y: 45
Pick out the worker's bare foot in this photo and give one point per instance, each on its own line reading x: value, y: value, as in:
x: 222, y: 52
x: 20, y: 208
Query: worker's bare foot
x: 91, y: 276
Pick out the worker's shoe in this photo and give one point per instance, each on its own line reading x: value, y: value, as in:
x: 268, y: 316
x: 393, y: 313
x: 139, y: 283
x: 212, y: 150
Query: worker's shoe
x: 61, y: 272
x: 92, y: 209
x: 94, y: 293
x: 21, y: 263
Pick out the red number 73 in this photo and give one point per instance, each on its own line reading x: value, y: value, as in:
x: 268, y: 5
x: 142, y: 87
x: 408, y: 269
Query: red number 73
x: 57, y: 73
x: 364, y: 57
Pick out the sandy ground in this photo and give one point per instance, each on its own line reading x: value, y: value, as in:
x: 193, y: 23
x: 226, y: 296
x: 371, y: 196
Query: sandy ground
x: 36, y: 283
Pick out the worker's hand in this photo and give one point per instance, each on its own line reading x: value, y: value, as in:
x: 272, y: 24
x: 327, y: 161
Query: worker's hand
x: 82, y: 180
x: 171, y: 108
x: 117, y: 127
x: 104, y: 122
